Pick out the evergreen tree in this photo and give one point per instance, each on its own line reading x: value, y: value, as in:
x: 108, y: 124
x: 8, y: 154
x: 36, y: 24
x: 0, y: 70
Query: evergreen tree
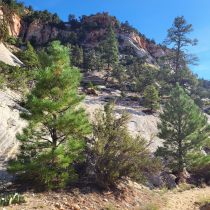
x: 19, y: 42
x: 199, y: 103
x: 179, y: 58
x: 118, y: 72
x: 145, y: 76
x: 6, y: 20
x: 88, y: 60
x: 33, y: 40
x: 151, y: 98
x: 110, y: 48
x: 116, y: 152
x: 77, y: 56
x: 98, y: 62
x: 183, y: 127
x: 29, y: 58
x: 17, y: 78
x: 30, y: 8
x: 53, y: 139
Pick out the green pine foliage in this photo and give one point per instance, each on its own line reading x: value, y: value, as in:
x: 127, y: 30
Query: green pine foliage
x: 98, y: 62
x: 151, y: 98
x: 6, y: 20
x: 77, y: 56
x: 199, y: 103
x: 17, y: 78
x: 183, y: 127
x: 118, y: 72
x: 29, y: 59
x: 53, y: 139
x: 110, y: 48
x: 116, y: 152
x: 180, y: 58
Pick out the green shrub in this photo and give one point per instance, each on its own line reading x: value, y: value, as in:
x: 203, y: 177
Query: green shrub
x: 199, y: 103
x: 11, y: 199
x: 12, y: 40
x: 117, y: 153
x: 123, y: 94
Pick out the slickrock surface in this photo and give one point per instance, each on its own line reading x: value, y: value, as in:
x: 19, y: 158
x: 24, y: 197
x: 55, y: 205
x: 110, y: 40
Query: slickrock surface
x: 10, y: 124
x: 7, y: 57
x: 139, y: 123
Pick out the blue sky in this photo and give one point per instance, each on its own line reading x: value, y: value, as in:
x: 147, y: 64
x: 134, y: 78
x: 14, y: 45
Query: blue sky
x: 150, y: 17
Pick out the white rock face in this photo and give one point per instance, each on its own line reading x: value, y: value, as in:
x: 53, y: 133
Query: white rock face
x: 10, y: 124
x: 7, y: 57
x: 139, y: 123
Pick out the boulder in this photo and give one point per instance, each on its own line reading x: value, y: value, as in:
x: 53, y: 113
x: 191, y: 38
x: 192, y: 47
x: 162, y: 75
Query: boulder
x: 91, y: 91
x: 161, y: 179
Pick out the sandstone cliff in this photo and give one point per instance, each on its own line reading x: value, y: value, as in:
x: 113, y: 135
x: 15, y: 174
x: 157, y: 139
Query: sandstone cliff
x: 44, y: 32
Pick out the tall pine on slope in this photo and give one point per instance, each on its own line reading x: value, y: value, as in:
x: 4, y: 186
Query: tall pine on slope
x: 53, y: 138
x: 177, y: 35
x: 110, y: 48
x: 183, y: 127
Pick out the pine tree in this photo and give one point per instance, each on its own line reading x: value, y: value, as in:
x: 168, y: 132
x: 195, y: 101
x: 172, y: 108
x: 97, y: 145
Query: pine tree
x: 183, y: 127
x: 53, y: 139
x: 145, y: 76
x: 110, y: 48
x: 118, y: 72
x: 151, y: 98
x: 29, y: 58
x: 116, y: 152
x: 88, y: 60
x: 17, y: 78
x: 98, y: 62
x: 77, y: 56
x: 179, y: 58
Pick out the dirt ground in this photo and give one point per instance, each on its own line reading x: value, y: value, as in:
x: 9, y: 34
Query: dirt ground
x: 186, y: 200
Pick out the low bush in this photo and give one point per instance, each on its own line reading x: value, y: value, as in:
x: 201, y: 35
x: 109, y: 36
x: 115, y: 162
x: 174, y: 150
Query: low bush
x: 115, y: 153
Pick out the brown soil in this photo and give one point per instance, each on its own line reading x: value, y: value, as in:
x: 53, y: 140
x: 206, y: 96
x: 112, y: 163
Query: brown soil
x: 126, y: 195
x: 186, y: 200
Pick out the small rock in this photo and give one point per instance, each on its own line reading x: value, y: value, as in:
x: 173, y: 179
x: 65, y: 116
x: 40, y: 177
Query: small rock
x: 74, y: 206
x: 61, y: 208
x: 91, y: 91
x: 58, y: 205
x: 105, y: 200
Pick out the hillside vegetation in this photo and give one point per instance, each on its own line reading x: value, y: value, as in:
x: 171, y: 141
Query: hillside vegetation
x: 62, y: 145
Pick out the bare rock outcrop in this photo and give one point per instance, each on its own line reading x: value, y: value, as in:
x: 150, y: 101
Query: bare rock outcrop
x: 7, y: 57
x: 42, y: 32
x: 10, y: 124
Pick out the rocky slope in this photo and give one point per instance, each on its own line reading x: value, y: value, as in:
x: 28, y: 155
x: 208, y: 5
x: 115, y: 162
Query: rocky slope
x: 10, y: 124
x: 7, y: 57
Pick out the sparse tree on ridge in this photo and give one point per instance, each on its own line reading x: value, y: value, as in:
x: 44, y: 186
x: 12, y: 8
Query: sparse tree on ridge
x: 110, y: 48
x: 184, y: 128
x: 177, y: 35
